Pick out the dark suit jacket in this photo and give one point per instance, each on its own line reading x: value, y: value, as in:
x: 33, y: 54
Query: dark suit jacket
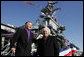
x: 23, y: 47
x: 48, y: 47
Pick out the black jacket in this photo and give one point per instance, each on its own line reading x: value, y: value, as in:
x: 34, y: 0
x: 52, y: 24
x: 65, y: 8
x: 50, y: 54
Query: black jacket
x: 48, y: 47
x: 23, y: 47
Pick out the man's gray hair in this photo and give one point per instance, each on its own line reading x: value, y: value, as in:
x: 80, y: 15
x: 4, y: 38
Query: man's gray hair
x: 27, y: 22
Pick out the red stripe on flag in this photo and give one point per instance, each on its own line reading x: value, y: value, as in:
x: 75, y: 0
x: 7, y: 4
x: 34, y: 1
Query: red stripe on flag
x: 70, y: 53
x: 74, y: 51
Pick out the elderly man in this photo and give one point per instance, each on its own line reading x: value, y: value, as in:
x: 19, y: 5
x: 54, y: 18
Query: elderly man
x: 24, y: 38
x: 47, y: 46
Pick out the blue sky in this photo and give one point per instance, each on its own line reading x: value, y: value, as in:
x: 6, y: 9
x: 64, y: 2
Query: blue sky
x: 70, y: 15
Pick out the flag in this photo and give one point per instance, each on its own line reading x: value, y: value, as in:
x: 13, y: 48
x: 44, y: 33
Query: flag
x: 66, y: 51
x: 74, y: 51
x: 29, y: 3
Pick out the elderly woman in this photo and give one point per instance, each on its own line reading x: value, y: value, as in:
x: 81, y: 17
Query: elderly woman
x: 47, y: 45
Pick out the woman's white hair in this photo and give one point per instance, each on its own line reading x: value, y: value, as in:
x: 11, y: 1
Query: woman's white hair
x: 46, y: 28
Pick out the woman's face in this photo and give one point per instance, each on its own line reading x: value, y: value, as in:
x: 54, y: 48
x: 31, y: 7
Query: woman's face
x: 46, y: 33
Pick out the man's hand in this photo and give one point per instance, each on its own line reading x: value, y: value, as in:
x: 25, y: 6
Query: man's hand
x: 13, y: 50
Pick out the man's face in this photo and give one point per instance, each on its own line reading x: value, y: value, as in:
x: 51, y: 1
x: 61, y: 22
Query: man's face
x: 29, y: 25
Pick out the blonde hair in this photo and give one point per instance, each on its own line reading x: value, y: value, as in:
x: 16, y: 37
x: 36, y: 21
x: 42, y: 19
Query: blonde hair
x: 46, y: 28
